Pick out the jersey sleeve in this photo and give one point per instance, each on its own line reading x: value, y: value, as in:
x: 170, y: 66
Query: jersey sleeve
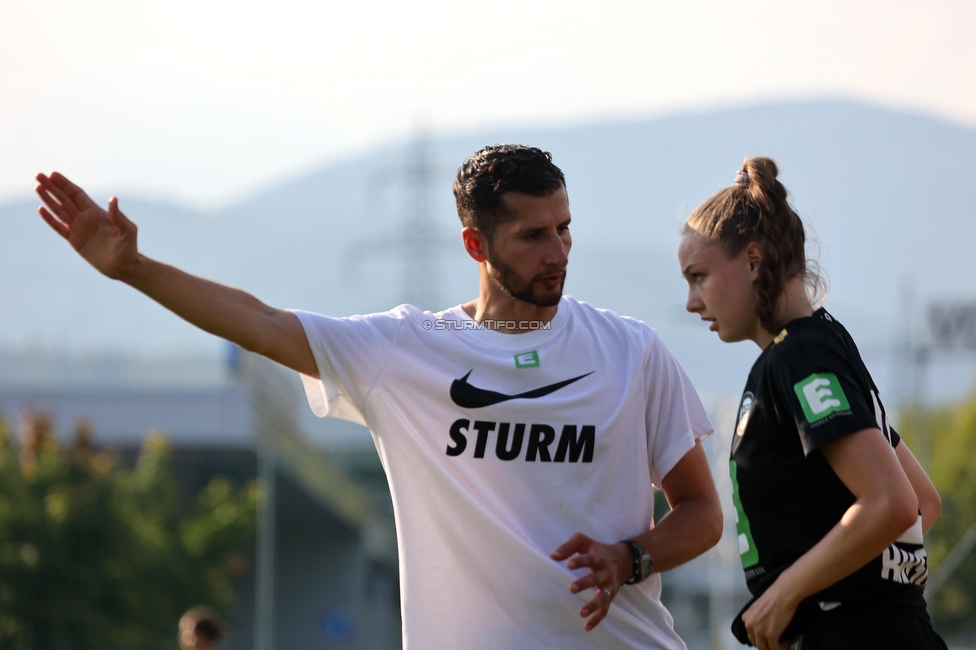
x: 674, y: 415
x: 895, y: 438
x: 350, y: 354
x: 818, y: 384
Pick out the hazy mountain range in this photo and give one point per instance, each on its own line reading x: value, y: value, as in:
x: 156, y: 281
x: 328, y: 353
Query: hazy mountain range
x: 889, y: 196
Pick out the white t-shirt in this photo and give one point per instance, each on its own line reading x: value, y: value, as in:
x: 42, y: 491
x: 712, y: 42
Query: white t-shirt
x: 498, y: 448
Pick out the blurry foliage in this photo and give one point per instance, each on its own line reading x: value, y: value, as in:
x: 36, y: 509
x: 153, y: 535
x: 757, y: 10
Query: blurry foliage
x: 953, y: 470
x: 93, y: 555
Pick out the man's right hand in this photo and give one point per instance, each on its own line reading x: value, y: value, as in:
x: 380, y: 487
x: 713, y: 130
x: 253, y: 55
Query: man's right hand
x: 107, y: 240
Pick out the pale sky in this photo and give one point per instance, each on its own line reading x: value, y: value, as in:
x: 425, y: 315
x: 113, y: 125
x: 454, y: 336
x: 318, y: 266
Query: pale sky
x: 204, y: 101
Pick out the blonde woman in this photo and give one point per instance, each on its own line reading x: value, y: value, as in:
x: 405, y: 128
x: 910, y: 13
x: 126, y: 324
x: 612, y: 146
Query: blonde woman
x: 831, y: 505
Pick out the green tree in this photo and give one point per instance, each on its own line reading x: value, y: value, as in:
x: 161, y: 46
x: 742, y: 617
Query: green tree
x: 94, y: 555
x: 952, y: 438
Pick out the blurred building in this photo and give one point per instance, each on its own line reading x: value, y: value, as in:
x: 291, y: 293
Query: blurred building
x: 325, y: 574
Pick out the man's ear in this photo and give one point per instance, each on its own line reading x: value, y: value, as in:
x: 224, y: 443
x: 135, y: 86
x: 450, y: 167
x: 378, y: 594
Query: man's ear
x: 754, y: 259
x: 475, y: 243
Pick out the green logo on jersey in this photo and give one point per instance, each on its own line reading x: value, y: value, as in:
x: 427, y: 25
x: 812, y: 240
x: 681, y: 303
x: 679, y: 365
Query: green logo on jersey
x: 527, y: 359
x: 820, y: 395
x: 747, y: 546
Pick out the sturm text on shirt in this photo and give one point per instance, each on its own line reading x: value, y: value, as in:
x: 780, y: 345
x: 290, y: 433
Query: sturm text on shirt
x: 575, y: 442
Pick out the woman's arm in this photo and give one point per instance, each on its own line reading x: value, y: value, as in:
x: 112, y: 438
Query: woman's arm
x: 929, y: 501
x: 886, y: 507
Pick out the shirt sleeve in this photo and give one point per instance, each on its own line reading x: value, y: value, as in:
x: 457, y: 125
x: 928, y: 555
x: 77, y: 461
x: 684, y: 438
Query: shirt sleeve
x: 819, y: 385
x: 350, y: 354
x: 674, y: 415
x: 895, y: 438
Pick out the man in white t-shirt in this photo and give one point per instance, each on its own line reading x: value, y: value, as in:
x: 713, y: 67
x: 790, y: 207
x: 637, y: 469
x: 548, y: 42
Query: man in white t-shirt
x: 521, y: 432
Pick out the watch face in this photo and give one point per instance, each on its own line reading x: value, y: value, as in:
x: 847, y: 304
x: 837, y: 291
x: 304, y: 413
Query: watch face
x: 646, y: 563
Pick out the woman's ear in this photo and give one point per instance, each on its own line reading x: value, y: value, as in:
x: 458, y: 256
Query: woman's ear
x: 475, y: 243
x: 754, y: 259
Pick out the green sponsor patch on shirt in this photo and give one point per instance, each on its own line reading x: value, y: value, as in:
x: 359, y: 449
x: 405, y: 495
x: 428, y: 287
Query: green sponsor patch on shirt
x: 527, y: 359
x: 820, y: 395
x: 748, y: 552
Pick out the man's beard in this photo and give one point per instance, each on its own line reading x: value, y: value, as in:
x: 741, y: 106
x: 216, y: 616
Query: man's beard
x: 514, y: 285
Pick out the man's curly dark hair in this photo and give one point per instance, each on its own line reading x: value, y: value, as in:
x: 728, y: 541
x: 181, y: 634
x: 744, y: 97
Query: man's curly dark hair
x: 488, y: 174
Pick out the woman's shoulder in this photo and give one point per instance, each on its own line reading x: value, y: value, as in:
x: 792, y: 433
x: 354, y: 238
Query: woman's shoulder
x: 816, y: 343
x: 818, y: 331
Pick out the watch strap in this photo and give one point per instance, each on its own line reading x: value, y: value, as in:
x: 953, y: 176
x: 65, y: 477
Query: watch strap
x: 641, y: 566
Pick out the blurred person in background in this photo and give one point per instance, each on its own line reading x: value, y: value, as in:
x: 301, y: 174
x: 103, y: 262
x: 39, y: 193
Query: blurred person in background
x: 200, y: 629
x: 521, y: 432
x: 831, y: 505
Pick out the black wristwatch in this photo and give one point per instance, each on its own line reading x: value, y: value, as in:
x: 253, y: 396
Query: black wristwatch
x: 643, y: 562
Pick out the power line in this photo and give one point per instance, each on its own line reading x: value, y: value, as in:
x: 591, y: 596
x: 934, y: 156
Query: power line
x: 418, y: 242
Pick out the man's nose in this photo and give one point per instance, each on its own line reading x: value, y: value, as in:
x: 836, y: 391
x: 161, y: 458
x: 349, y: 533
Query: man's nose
x: 558, y: 251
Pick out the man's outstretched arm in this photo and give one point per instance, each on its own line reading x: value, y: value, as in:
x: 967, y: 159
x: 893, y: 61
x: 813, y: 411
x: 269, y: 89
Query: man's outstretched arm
x: 107, y: 240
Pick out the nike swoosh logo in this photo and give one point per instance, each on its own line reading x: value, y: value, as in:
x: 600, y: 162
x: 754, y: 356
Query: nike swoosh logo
x: 469, y: 396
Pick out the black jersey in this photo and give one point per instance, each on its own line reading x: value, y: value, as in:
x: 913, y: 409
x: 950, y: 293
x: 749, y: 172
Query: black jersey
x: 807, y: 389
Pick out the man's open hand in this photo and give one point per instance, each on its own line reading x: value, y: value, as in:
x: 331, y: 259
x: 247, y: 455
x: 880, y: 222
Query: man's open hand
x: 610, y: 566
x: 107, y: 240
